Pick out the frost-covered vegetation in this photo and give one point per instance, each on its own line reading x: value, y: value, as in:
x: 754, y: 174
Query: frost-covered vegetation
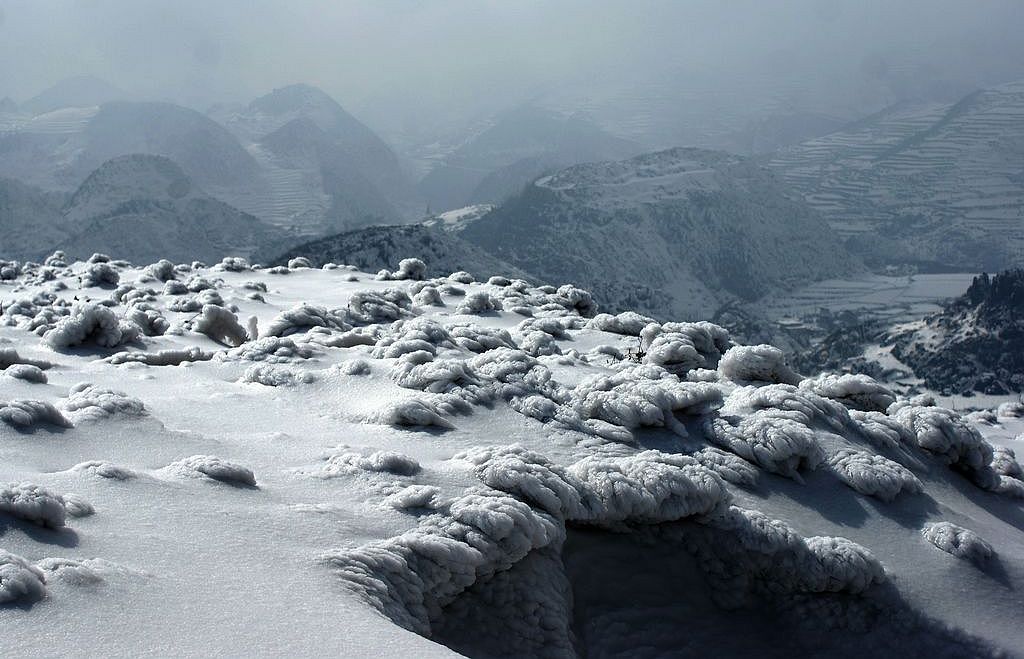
x: 416, y: 462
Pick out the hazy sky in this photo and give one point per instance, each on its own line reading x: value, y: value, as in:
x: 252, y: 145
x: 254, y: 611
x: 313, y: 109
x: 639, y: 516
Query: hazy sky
x: 399, y: 58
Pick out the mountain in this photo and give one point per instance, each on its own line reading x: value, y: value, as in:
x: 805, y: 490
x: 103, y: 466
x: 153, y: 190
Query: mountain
x: 146, y: 208
x: 516, y: 148
x: 936, y: 184
x: 74, y: 92
x: 976, y: 343
x: 348, y: 199
x: 324, y: 169
x: 30, y: 220
x: 671, y: 233
x: 376, y: 248
x: 59, y: 149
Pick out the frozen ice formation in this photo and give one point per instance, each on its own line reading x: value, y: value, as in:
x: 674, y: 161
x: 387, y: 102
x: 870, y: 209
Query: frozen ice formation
x: 221, y: 325
x: 27, y: 413
x: 33, y: 503
x: 214, y: 468
x: 272, y: 375
x: 19, y: 579
x: 410, y: 412
x: 416, y: 578
x: 629, y: 323
x: 303, y: 317
x: 760, y: 363
x: 87, y: 402
x: 91, y: 323
x: 856, y: 391
x: 873, y: 475
x: 379, y: 461
x: 498, y: 447
x: 681, y: 347
x: 958, y: 541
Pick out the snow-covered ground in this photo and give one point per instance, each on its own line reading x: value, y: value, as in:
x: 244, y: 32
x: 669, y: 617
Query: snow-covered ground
x: 289, y: 461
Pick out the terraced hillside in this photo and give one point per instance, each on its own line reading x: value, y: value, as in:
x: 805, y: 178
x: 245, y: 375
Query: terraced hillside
x: 941, y: 183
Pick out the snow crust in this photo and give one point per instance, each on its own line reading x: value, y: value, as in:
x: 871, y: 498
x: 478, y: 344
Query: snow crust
x: 419, y: 463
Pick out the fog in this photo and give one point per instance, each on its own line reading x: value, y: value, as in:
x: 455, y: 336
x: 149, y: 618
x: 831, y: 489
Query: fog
x: 412, y: 67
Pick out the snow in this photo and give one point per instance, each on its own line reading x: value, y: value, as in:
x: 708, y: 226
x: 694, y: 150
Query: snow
x: 388, y: 476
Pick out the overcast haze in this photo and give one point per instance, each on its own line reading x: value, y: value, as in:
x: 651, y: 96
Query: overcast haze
x: 413, y: 64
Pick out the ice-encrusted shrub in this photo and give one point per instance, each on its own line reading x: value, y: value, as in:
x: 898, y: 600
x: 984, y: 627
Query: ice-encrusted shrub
x: 1010, y: 410
x: 411, y: 412
x: 56, y: 260
x: 873, y: 475
x: 355, y: 367
x: 428, y: 296
x: 90, y: 323
x: 232, y: 264
x: 299, y: 262
x: 1004, y: 462
x: 386, y: 306
x: 271, y: 375
x: 10, y: 357
x: 478, y: 338
x: 26, y: 372
x: 414, y: 269
x: 442, y: 376
x: 27, y: 413
x: 215, y: 468
x: 946, y: 434
x: 271, y: 349
x: 478, y: 303
x: 681, y: 347
x: 162, y: 270
x: 87, y: 402
x: 168, y: 357
x: 628, y: 323
x: 220, y: 325
x: 759, y: 363
x: 803, y: 406
x: 197, y: 302
x: 33, y: 503
x: 197, y: 284
x: 175, y: 287
x: 643, y: 396
x: 9, y: 270
x: 958, y: 541
x: 461, y: 277
x: 856, y: 391
x: 577, y: 300
x: 20, y: 579
x: 150, y: 321
x: 105, y: 469
x: 407, y: 336
x: 100, y: 274
x: 413, y: 497
x: 732, y: 468
x: 388, y: 462
x: 770, y: 439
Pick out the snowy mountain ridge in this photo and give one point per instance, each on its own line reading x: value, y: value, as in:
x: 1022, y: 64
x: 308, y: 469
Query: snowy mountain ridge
x: 418, y: 463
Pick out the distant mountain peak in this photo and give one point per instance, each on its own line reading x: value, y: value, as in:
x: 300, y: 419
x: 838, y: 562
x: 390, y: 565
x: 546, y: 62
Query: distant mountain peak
x: 76, y: 91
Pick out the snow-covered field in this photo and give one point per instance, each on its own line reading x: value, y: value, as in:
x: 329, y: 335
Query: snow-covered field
x: 227, y: 461
x: 894, y: 297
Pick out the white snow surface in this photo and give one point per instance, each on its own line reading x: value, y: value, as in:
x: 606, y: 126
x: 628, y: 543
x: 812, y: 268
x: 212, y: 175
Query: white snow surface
x: 487, y: 470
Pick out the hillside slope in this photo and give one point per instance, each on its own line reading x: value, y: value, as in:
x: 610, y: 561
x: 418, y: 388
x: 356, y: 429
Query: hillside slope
x: 672, y: 233
x: 430, y: 467
x: 142, y: 205
x: 376, y: 248
x: 937, y: 184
